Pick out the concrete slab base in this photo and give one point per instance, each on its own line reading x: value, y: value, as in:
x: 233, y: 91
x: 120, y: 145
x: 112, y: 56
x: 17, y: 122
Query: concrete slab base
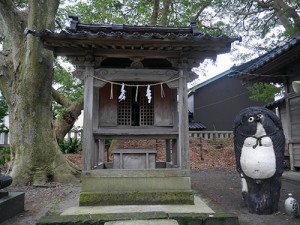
x: 291, y: 175
x: 197, y: 213
x: 198, y: 207
x: 143, y: 222
x: 11, y: 204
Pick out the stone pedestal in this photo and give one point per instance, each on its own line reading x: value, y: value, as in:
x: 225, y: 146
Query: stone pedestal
x: 135, y: 187
x: 11, y: 204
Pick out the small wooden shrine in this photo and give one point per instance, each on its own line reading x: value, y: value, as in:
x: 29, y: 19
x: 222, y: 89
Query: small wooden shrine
x: 135, y: 81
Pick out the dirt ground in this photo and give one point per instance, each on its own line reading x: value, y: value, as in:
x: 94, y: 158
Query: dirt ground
x: 213, y: 175
x: 223, y: 187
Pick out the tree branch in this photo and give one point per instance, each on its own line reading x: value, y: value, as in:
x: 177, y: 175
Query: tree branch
x: 65, y: 122
x: 13, y: 22
x: 60, y: 99
x: 201, y: 10
x: 284, y: 13
x: 42, y: 19
x: 264, y: 5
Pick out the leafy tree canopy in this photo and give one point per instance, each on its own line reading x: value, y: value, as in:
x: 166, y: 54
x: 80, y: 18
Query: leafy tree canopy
x: 262, y: 24
x: 270, y: 21
x: 264, y: 92
x: 67, y: 86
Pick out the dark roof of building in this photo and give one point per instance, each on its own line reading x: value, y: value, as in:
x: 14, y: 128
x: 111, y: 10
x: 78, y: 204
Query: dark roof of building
x: 274, y: 104
x: 268, y: 66
x: 113, y: 40
x: 193, y: 125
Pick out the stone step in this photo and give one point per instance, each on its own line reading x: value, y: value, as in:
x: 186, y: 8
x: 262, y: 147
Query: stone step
x: 199, y: 206
x: 197, y: 213
x: 143, y: 222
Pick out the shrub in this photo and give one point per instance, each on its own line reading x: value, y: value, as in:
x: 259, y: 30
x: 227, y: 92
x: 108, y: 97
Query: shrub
x: 4, y: 155
x: 70, y: 146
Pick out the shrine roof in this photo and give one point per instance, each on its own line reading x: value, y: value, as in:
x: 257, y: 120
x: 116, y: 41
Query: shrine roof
x: 113, y: 40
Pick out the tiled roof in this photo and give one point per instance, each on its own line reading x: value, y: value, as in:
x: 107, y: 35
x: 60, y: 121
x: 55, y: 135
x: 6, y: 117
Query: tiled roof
x: 111, y: 40
x: 277, y: 57
x: 193, y: 125
x: 275, y: 104
x: 140, y: 32
x: 230, y: 73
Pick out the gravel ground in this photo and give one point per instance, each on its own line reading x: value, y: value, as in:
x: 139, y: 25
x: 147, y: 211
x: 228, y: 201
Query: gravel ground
x: 223, y: 187
x: 47, y: 199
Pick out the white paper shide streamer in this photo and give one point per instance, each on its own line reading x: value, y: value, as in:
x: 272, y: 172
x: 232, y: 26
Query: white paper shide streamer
x: 148, y: 94
x: 122, y: 95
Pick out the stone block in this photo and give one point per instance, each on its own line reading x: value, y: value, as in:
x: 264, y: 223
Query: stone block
x: 11, y: 205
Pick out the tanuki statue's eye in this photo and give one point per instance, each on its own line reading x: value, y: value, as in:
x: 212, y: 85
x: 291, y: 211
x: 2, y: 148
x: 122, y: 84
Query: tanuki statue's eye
x: 251, y: 119
x: 260, y: 116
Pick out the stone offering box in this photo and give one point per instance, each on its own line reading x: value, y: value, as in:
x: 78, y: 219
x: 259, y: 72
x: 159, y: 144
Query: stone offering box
x: 134, y: 158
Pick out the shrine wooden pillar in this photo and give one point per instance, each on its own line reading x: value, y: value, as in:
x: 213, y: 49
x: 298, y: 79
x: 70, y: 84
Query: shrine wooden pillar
x: 183, y: 124
x: 88, y: 142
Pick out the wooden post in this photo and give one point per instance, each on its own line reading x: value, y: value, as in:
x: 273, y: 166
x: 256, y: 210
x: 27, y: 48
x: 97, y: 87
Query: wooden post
x: 101, y: 150
x: 88, y: 142
x: 291, y: 153
x: 201, y: 148
x: 289, y: 133
x: 168, y: 150
x: 175, y: 152
x: 95, y: 156
x: 183, y: 122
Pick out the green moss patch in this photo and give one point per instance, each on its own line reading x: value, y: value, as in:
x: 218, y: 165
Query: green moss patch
x: 135, y: 198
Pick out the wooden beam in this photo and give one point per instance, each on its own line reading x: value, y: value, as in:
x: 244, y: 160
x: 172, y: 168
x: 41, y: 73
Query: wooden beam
x: 136, y: 75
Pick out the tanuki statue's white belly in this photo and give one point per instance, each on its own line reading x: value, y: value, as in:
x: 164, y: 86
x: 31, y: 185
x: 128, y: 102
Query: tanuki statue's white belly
x: 259, y: 162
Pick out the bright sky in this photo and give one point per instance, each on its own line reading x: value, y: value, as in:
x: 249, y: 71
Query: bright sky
x: 210, y: 70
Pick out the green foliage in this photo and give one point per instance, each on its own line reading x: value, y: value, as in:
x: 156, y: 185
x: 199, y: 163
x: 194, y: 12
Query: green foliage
x: 21, y: 3
x: 4, y: 155
x: 252, y: 19
x: 133, y: 12
x: 70, y: 146
x: 107, y: 143
x: 67, y: 85
x: 3, y: 113
x: 264, y: 92
x: 109, y: 11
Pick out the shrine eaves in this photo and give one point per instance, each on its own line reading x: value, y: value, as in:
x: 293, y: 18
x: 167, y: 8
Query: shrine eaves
x: 125, y: 46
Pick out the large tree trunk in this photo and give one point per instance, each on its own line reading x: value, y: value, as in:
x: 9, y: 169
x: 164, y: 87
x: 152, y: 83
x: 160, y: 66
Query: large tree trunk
x: 154, y: 15
x: 288, y: 16
x: 165, y: 12
x: 36, y: 156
